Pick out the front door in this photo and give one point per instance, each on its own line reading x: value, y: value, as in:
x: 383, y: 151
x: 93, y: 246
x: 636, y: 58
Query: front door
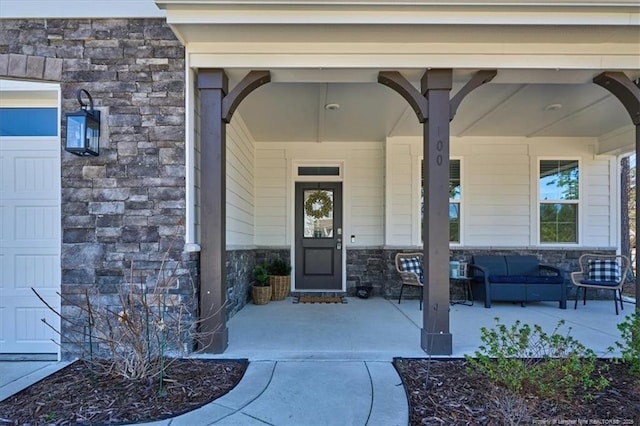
x: 318, y: 228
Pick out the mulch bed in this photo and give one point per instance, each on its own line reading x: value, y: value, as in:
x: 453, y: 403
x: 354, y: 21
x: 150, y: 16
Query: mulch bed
x: 445, y: 393
x: 74, y: 396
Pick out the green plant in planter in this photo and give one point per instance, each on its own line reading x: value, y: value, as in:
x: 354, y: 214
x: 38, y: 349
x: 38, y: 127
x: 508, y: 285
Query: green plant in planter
x: 279, y: 267
x: 279, y: 278
x: 261, y: 275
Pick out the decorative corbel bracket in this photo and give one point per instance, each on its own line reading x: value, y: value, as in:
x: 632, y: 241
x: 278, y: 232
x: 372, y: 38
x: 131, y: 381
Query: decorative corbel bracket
x: 397, y: 82
x: 623, y: 88
x: 249, y: 83
x: 418, y: 102
x: 478, y: 79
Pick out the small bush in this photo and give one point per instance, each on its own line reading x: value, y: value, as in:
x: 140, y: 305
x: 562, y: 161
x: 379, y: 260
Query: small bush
x: 261, y: 274
x: 279, y: 267
x: 526, y: 359
x: 630, y: 347
x: 132, y: 334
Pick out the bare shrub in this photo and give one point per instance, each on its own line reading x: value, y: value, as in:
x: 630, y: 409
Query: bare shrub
x: 136, y: 333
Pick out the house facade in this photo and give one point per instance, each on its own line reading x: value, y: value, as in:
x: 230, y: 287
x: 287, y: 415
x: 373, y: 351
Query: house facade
x: 311, y: 158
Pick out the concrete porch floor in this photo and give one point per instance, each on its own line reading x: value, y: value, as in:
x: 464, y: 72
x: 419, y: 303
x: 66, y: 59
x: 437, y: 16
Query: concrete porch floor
x: 377, y: 329
x: 343, y: 351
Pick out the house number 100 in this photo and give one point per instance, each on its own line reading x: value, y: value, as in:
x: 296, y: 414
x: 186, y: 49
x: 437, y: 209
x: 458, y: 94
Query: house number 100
x: 439, y: 146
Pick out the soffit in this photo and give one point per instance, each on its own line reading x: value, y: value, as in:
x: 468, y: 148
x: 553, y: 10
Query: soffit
x: 320, y: 52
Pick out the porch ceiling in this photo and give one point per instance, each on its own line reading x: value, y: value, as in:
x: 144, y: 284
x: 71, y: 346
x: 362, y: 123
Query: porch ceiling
x: 330, y: 52
x: 527, y: 103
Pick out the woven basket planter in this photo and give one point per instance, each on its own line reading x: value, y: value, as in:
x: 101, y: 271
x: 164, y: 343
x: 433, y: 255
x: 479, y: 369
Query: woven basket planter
x: 280, y: 286
x: 261, y: 295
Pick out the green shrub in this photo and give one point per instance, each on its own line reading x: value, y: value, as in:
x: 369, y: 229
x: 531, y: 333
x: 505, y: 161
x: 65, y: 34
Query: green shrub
x: 630, y: 347
x: 526, y: 359
x: 279, y: 267
x: 261, y: 274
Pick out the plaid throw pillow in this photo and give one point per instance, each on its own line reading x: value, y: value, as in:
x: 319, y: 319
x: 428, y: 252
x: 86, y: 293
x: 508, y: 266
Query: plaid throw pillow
x: 412, y: 264
x: 604, y: 270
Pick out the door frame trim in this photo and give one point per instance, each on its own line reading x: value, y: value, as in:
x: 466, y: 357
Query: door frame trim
x: 294, y: 164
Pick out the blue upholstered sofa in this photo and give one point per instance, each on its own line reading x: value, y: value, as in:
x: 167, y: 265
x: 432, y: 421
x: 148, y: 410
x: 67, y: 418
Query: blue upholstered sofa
x: 516, y: 278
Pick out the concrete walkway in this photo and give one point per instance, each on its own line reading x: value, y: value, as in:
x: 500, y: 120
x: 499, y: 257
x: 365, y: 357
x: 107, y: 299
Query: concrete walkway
x: 331, y: 365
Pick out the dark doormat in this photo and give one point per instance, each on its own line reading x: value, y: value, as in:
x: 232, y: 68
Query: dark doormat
x: 319, y: 299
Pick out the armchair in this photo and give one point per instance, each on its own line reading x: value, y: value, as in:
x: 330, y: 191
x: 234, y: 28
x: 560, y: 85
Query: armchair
x: 601, y: 271
x: 409, y: 266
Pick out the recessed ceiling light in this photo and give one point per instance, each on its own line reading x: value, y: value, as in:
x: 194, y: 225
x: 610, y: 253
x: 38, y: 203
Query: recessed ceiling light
x: 553, y: 107
x: 332, y: 107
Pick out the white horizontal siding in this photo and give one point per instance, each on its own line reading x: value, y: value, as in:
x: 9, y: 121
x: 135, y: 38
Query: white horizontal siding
x: 499, y: 190
x: 271, y: 196
x: 597, y: 200
x: 240, y: 215
x: 402, y: 203
x: 363, y: 188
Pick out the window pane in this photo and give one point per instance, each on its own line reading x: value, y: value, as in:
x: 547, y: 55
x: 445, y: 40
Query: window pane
x: 454, y: 179
x: 318, y: 213
x: 454, y: 222
x: 559, y: 180
x: 318, y: 171
x: 558, y: 223
x: 454, y: 194
x: 28, y: 121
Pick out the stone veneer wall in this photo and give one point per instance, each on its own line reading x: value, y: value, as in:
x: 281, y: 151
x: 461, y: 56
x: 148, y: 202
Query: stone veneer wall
x: 375, y: 267
x: 240, y: 264
x: 127, y: 206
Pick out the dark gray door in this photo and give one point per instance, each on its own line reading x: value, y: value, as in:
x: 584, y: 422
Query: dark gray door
x: 318, y: 236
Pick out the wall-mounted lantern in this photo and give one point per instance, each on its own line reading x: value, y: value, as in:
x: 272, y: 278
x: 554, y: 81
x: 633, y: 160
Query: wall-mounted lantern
x: 83, y: 128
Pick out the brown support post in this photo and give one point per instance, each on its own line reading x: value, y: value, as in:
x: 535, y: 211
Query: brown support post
x: 628, y: 93
x: 434, y: 110
x: 213, y: 85
x: 436, y: 338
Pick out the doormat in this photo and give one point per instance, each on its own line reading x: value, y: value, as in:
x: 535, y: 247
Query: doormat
x: 319, y: 299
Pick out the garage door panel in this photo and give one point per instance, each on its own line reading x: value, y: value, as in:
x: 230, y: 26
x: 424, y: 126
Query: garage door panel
x: 30, y: 242
x: 23, y: 328
x: 38, y: 271
x: 36, y: 223
x: 35, y: 174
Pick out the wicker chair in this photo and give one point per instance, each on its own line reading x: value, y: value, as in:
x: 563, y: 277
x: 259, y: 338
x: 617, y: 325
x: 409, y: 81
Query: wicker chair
x: 601, y: 271
x: 409, y: 266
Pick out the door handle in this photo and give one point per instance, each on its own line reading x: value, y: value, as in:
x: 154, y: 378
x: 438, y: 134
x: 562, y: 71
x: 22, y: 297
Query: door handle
x: 339, y: 244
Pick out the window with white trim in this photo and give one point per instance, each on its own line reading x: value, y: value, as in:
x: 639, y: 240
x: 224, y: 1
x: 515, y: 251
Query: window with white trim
x: 455, y: 200
x: 559, y: 199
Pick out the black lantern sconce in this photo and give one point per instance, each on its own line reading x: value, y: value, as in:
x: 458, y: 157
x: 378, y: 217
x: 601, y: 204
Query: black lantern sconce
x: 83, y: 128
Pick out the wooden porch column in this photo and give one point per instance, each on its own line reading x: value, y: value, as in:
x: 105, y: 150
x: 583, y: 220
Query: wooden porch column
x: 434, y: 109
x: 627, y: 92
x: 213, y: 85
x: 216, y: 109
x: 436, y: 338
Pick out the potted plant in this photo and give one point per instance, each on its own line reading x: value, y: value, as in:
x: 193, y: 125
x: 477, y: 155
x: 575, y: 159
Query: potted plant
x: 279, y: 279
x: 261, y: 290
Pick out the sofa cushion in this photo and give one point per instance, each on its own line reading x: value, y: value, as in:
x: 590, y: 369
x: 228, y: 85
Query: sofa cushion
x: 412, y: 264
x: 545, y: 279
x: 604, y: 270
x: 494, y: 264
x: 507, y: 279
x: 522, y: 265
x: 599, y: 282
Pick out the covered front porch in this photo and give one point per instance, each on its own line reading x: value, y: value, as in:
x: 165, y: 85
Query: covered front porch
x: 378, y: 329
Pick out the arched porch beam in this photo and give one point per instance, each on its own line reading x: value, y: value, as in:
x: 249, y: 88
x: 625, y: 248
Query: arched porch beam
x: 624, y: 89
x: 478, y: 79
x: 249, y: 83
x: 397, y: 82
x: 216, y: 108
x: 627, y: 92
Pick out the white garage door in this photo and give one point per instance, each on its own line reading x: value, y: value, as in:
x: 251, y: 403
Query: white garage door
x: 29, y: 243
